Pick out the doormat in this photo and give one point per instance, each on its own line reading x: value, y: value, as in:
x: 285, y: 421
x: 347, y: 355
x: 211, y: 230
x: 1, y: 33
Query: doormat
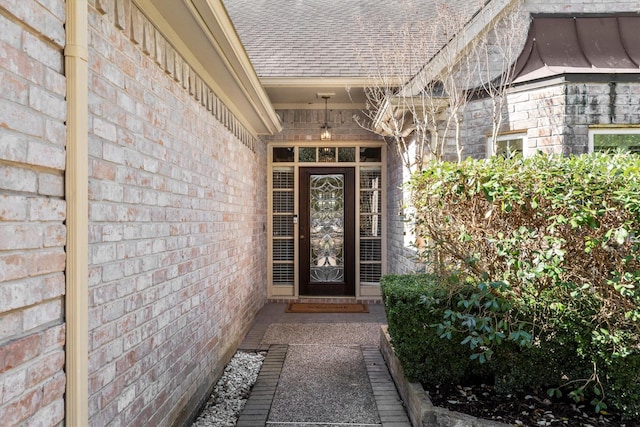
x: 302, y: 307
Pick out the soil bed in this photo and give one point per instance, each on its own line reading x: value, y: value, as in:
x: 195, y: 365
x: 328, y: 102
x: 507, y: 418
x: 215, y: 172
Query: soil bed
x: 526, y: 409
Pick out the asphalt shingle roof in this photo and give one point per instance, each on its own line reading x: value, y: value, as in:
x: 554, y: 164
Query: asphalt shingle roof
x: 323, y: 38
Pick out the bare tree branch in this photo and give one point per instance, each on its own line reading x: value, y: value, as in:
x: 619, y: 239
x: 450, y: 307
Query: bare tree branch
x: 421, y: 112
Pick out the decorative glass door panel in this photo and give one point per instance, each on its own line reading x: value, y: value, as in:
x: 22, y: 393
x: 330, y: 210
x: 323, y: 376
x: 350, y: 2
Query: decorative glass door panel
x: 327, y: 231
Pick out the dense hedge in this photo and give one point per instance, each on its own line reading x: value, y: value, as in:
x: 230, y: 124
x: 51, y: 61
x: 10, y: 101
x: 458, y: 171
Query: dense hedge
x: 537, y: 261
x: 416, y: 305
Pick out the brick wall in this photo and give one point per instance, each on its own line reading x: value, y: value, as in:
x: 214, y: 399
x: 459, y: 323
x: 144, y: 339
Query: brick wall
x: 177, y: 225
x: 304, y: 125
x: 32, y: 212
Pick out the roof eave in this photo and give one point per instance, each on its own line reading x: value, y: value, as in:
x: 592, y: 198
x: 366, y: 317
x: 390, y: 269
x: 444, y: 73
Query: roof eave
x: 202, y: 32
x: 456, y: 47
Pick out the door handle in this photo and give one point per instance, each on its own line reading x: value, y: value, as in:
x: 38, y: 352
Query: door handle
x: 301, y: 236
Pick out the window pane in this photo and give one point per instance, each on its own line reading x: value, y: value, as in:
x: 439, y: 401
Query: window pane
x: 347, y: 154
x: 627, y: 141
x: 509, y: 146
x: 283, y: 225
x: 327, y: 234
x: 327, y: 154
x: 307, y: 154
x: 283, y: 274
x: 371, y: 154
x: 283, y: 201
x: 370, y: 225
x: 370, y: 273
x: 282, y: 154
x: 283, y: 178
x: 370, y: 202
x: 370, y: 178
x: 371, y: 250
x: 283, y: 250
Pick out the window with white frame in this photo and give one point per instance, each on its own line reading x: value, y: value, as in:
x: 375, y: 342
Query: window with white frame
x: 507, y: 144
x: 612, y: 139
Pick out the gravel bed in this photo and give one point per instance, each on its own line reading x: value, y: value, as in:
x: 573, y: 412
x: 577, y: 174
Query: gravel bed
x: 231, y: 391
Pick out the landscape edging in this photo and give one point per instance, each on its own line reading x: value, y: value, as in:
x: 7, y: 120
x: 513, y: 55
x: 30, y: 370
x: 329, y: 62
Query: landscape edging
x: 421, y: 411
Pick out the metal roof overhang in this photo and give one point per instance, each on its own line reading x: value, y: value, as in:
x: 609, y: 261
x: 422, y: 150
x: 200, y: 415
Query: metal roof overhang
x: 580, y: 45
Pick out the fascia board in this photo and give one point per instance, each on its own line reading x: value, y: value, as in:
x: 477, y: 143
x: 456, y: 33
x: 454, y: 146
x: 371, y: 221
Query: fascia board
x: 215, y: 18
x: 318, y: 82
x: 397, y: 106
x: 478, y: 24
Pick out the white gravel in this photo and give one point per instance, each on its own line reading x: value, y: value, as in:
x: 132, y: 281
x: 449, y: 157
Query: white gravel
x: 231, y: 391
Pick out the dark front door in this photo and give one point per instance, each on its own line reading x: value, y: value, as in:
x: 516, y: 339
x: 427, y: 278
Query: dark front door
x: 327, y: 231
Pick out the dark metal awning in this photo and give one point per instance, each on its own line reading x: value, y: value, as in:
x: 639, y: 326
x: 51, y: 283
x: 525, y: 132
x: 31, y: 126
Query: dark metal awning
x: 568, y: 45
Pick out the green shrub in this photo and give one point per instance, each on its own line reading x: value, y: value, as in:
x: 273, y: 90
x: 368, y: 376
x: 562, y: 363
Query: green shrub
x: 412, y: 304
x: 544, y: 253
x: 622, y: 379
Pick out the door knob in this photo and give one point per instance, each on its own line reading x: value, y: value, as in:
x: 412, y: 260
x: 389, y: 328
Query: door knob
x: 302, y: 236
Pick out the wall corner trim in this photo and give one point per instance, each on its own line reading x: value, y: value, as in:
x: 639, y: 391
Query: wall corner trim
x: 77, y: 221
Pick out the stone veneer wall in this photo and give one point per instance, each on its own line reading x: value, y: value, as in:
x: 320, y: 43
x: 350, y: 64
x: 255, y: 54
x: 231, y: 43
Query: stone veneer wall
x: 555, y: 116
x: 32, y: 212
x: 538, y: 112
x: 613, y: 103
x: 177, y: 225
x: 400, y: 254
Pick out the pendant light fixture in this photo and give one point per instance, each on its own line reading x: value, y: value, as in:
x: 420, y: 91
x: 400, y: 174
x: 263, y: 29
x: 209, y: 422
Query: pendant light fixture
x: 325, y: 133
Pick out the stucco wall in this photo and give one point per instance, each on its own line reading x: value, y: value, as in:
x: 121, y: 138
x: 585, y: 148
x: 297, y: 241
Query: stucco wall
x: 32, y: 212
x: 177, y: 226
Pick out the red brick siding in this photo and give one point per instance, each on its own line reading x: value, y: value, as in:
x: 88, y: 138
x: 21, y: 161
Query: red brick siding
x: 32, y: 212
x: 177, y: 226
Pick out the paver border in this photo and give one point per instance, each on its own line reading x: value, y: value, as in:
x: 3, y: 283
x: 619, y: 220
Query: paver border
x: 256, y: 410
x: 391, y: 411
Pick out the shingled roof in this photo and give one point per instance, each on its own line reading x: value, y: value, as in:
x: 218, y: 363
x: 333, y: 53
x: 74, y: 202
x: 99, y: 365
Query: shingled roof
x: 323, y: 38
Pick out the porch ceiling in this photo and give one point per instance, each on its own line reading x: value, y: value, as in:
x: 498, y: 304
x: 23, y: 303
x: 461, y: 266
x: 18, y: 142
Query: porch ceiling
x: 301, y: 93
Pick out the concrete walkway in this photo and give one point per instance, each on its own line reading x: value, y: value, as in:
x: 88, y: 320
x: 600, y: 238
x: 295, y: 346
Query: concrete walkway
x: 321, y: 370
